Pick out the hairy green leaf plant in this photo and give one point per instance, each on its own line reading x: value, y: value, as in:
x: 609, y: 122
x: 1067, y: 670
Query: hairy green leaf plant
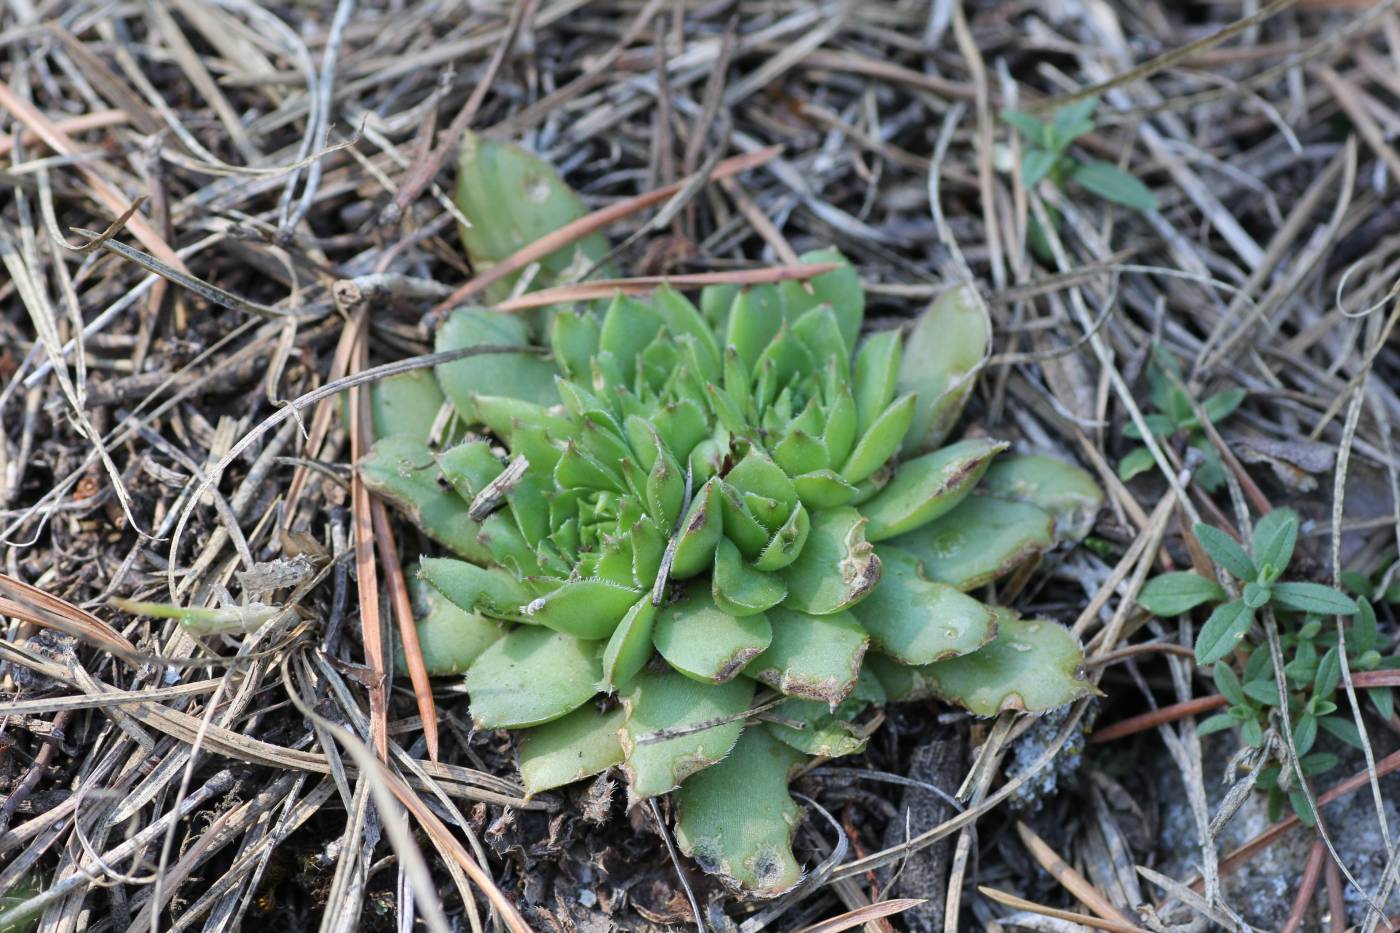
x: 699, y: 541
x: 1175, y: 416
x: 1312, y: 650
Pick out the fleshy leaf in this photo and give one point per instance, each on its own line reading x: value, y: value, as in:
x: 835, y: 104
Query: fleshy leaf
x: 450, y: 637
x: 531, y: 676
x: 1031, y: 666
x: 823, y: 733
x: 569, y: 749
x: 881, y: 440
x: 737, y: 819
x: 812, y: 657
x: 630, y: 645
x: 493, y: 388
x: 837, y: 567
x: 660, y: 737
x: 942, y: 356
x: 488, y: 590
x: 787, y: 543
x: 469, y: 468
x: 699, y: 533
x: 823, y: 489
x: 840, y: 288
x: 1062, y: 489
x: 929, y: 486
x: 512, y: 198
x: 918, y: 621
x: 980, y: 540
x: 738, y: 588
x: 405, y: 405
x: 587, y: 609
x: 402, y: 471
x: 874, y: 376
x: 702, y: 641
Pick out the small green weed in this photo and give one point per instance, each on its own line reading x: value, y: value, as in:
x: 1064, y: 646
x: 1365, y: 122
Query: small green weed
x: 1313, y: 669
x: 1047, y: 155
x: 1175, y: 415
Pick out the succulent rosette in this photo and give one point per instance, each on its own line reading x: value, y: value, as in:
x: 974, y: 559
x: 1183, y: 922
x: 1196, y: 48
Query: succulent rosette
x: 699, y: 540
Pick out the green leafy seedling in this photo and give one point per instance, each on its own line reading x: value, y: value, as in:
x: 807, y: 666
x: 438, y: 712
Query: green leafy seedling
x: 1173, y: 415
x: 1048, y: 156
x: 1313, y: 652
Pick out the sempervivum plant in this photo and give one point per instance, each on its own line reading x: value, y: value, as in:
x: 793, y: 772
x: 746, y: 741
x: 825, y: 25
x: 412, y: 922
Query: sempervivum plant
x: 700, y: 541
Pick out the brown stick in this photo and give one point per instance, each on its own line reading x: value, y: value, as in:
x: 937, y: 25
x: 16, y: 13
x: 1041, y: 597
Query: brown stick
x: 1312, y: 872
x: 1136, y: 724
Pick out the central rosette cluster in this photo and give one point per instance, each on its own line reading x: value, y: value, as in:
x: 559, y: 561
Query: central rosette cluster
x: 680, y: 507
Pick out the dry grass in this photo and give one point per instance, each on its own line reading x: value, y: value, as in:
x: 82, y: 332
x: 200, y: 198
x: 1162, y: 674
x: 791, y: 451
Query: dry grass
x: 297, y: 232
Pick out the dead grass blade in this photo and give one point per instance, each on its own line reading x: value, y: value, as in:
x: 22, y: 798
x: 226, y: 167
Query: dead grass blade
x: 640, y: 285
x: 1020, y: 903
x: 19, y: 600
x: 863, y: 915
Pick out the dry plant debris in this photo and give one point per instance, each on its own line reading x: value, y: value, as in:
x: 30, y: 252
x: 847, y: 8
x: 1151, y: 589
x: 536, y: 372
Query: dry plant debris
x: 174, y: 428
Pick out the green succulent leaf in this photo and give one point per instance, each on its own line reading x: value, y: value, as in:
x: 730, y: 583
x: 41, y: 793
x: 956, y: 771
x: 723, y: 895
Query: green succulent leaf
x: 405, y: 405
x: 874, y: 377
x: 822, y: 733
x: 570, y: 749
x: 676, y: 727
x: 512, y: 198
x: 532, y: 676
x: 494, y: 388
x: 881, y: 440
x: 837, y: 567
x: 449, y: 637
x: 787, y: 543
x: 588, y: 609
x: 1032, y: 665
x: 943, y: 354
x: 812, y: 657
x: 1064, y: 490
x: 1171, y: 594
x: 491, y: 591
x: 401, y: 470
x: 740, y: 590
x: 1226, y: 552
x: 918, y: 621
x: 823, y: 489
x: 630, y: 646
x: 1313, y: 597
x: 736, y: 819
x: 840, y: 290
x: 928, y: 487
x: 704, y: 642
x: 699, y: 533
x: 982, y: 539
x: 1224, y: 630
